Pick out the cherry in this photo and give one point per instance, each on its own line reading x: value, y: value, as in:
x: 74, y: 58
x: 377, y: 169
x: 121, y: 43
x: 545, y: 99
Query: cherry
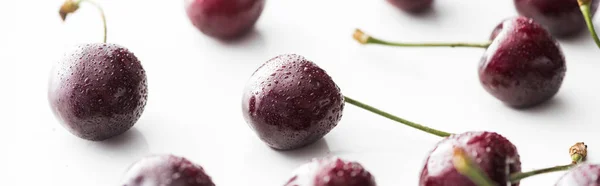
x: 98, y: 90
x: 224, y: 19
x: 291, y: 102
x: 331, y: 171
x: 493, y: 154
x: 166, y: 170
x: 412, y: 6
x: 523, y: 65
x: 582, y: 175
x: 562, y: 18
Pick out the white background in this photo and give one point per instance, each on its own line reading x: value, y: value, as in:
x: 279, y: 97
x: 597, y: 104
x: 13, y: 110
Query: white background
x: 195, y: 89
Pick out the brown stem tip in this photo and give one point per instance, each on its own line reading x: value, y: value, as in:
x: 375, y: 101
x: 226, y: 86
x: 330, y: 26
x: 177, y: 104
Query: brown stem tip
x: 68, y: 7
x: 360, y: 36
x: 578, y: 152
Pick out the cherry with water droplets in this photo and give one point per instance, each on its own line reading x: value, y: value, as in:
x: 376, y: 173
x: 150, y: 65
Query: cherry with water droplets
x: 562, y: 18
x: 331, y: 171
x: 98, y: 91
x: 492, y: 153
x: 166, y: 170
x: 224, y: 19
x: 524, y: 65
x: 291, y: 102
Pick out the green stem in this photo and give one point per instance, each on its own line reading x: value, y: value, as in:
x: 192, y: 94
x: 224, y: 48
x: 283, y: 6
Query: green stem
x: 101, y: 14
x: 396, y: 118
x: 576, y: 158
x: 467, y: 167
x: 363, y: 38
x: 584, y: 5
x: 516, y: 177
x: 70, y: 6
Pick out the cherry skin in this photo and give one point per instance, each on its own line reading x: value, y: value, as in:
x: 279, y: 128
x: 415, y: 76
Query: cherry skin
x: 582, y: 175
x: 224, y: 19
x: 524, y: 65
x: 166, y: 170
x: 331, y: 171
x: 290, y: 102
x: 412, y: 5
x: 490, y: 150
x: 98, y: 91
x: 561, y: 17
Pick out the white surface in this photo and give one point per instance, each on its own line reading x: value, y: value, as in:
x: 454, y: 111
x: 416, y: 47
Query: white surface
x: 195, y: 89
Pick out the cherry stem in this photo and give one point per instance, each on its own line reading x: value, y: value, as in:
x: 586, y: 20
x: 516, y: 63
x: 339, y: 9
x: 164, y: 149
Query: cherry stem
x: 578, y: 153
x: 396, y: 118
x: 364, y: 38
x: 467, y: 167
x: 71, y: 6
x: 584, y: 5
x: 516, y: 177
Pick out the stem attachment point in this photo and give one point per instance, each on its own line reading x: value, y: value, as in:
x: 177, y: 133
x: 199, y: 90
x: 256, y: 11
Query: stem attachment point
x: 467, y: 167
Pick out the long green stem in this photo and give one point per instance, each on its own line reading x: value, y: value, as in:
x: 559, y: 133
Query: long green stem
x: 467, y: 167
x: 363, y: 38
x: 396, y: 118
x: 101, y: 14
x: 71, y: 6
x: 521, y: 175
x: 578, y: 152
x: 584, y: 5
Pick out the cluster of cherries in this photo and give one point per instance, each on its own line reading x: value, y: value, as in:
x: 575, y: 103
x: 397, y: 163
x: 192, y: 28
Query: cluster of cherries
x: 99, y: 91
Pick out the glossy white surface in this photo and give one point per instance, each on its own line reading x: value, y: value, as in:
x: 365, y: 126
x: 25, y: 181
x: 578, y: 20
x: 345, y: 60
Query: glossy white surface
x: 195, y: 89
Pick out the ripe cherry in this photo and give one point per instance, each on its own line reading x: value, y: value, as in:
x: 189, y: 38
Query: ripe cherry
x: 331, y: 171
x: 166, y: 170
x: 98, y: 90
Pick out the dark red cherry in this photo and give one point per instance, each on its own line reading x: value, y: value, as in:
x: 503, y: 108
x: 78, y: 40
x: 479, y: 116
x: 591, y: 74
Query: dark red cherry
x: 524, y: 65
x: 331, y: 171
x: 224, y: 19
x: 412, y: 5
x: 493, y: 153
x: 98, y: 91
x: 560, y: 17
x: 582, y: 175
x: 166, y: 170
x: 290, y: 102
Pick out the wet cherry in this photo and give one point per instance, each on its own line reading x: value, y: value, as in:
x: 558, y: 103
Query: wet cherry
x: 98, y: 90
x: 561, y: 17
x: 166, y: 170
x: 290, y: 102
x: 524, y: 65
x: 492, y: 152
x: 331, y: 171
x: 224, y: 19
